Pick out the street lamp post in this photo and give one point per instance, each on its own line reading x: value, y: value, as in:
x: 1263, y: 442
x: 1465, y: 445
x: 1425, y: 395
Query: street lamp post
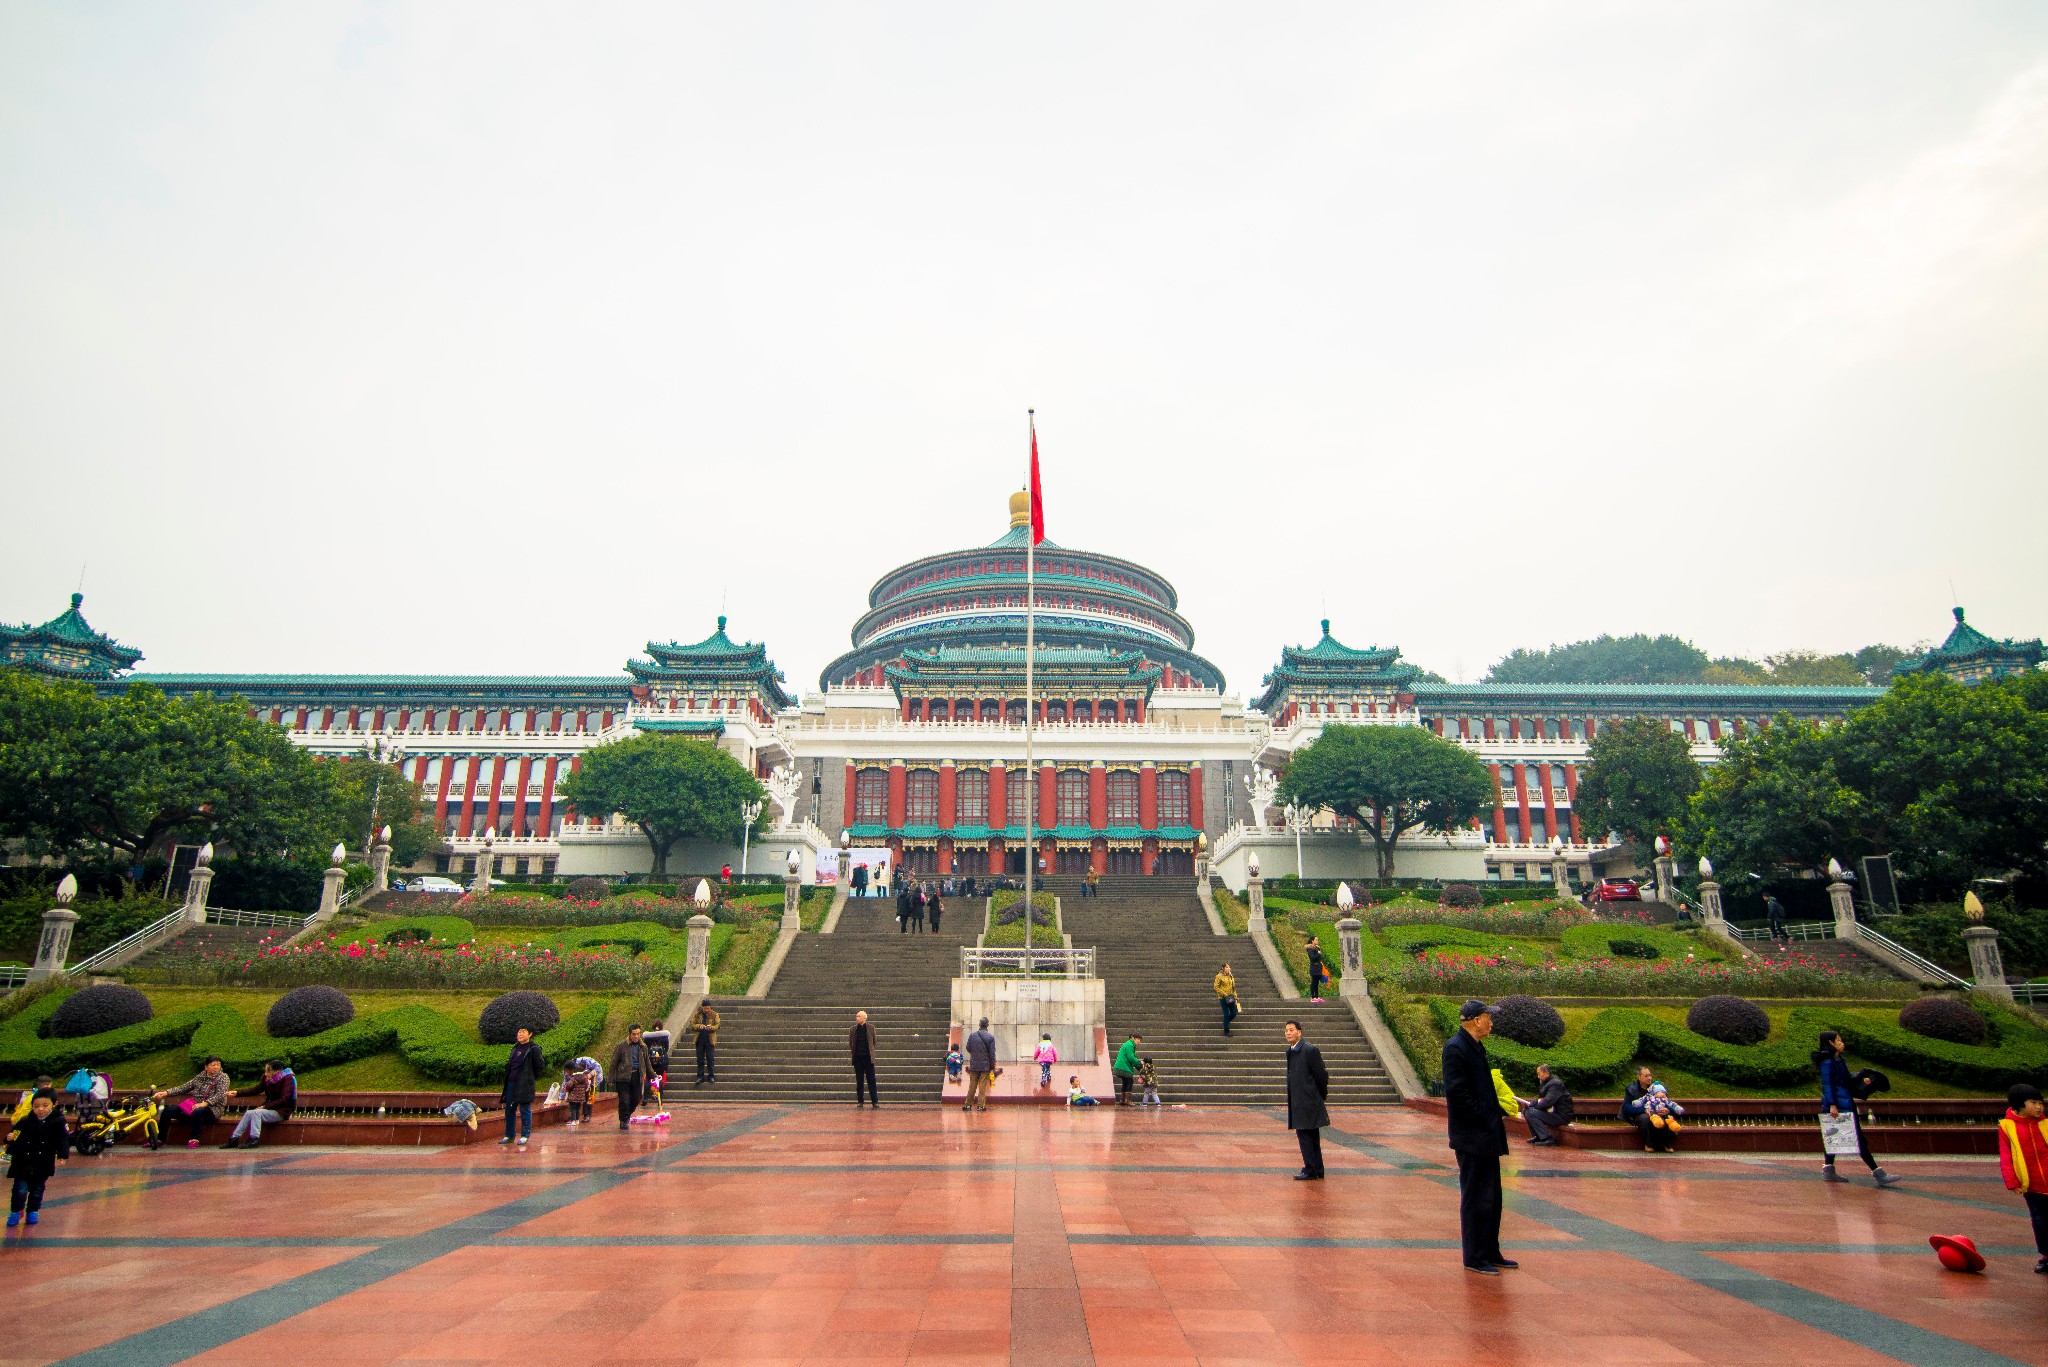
x: 750, y: 812
x: 380, y: 750
x: 1297, y: 821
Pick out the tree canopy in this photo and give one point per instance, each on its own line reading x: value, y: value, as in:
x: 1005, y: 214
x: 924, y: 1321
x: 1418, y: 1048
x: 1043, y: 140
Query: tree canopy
x: 1670, y: 659
x: 1950, y: 779
x: 1394, y: 779
x: 1638, y: 779
x: 373, y: 795
x: 134, y: 771
x: 672, y: 787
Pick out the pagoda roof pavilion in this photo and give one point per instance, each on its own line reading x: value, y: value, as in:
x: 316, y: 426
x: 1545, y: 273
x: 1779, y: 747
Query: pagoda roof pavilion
x: 1970, y: 656
x: 713, y: 664
x: 66, y: 647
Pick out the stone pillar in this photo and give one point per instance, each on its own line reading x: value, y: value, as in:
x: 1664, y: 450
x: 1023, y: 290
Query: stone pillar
x: 1351, y: 982
x: 486, y: 865
x: 1710, y: 907
x: 697, y: 964
x: 1561, y: 877
x: 1255, y: 898
x: 1987, y: 966
x: 198, y: 886
x: 1667, y: 872
x: 1843, y: 900
x: 330, y: 887
x: 55, y: 946
x: 792, y: 888
x: 380, y: 861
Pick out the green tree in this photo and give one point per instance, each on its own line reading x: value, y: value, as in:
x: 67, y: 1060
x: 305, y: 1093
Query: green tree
x: 1394, y: 779
x: 672, y: 787
x: 1776, y: 797
x: 1811, y: 669
x: 1638, y: 779
x: 134, y: 771
x: 1606, y: 659
x: 364, y: 784
x: 1876, y: 663
x: 1731, y: 669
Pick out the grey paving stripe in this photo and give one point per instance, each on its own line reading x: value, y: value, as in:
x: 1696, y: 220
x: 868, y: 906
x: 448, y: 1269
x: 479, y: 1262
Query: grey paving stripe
x: 262, y: 1167
x: 1251, y: 1241
x: 208, y: 1329
x: 200, y: 1241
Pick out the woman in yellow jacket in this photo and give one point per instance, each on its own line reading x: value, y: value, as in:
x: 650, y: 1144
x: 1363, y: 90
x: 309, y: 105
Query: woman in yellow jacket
x: 1226, y: 996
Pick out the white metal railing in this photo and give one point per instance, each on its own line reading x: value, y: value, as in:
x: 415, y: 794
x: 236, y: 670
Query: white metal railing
x: 141, y: 939
x: 1923, y: 964
x: 13, y: 975
x: 892, y: 721
x: 1802, y: 930
x: 223, y: 916
x: 1007, y: 961
x: 2030, y: 994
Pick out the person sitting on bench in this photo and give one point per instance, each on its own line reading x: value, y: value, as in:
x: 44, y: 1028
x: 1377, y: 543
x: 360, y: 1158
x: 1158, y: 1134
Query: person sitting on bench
x: 1551, y: 1111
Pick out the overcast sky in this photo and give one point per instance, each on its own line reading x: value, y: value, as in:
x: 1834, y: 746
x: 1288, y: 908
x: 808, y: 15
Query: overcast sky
x: 490, y: 338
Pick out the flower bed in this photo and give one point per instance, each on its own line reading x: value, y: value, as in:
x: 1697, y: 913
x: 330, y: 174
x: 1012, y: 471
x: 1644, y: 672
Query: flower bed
x: 1484, y: 975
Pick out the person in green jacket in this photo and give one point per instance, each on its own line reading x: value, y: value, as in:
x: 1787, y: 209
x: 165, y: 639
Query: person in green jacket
x: 1125, y: 1069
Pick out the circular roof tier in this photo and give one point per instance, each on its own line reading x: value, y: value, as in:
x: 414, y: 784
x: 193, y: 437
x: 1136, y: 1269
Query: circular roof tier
x: 974, y: 599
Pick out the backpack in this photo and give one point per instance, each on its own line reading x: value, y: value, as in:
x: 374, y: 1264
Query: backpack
x: 85, y: 1082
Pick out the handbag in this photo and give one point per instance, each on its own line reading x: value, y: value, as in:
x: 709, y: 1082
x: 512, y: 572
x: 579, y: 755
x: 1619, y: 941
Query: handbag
x: 1838, y: 1134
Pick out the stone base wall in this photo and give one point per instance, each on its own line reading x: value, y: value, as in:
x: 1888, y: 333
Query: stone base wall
x: 1074, y: 1010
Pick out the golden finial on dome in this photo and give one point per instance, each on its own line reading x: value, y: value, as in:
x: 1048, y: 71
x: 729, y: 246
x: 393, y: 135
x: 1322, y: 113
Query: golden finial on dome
x: 1020, y: 508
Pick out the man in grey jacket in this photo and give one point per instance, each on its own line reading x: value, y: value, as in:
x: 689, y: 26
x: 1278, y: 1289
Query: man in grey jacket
x: 1551, y: 1111
x: 981, y: 1067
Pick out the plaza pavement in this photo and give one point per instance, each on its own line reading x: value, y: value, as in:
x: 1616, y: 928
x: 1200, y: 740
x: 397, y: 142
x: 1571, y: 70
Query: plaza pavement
x: 759, y: 1235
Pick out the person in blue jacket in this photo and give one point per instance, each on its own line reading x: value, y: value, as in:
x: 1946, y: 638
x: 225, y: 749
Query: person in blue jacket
x: 1838, y: 1097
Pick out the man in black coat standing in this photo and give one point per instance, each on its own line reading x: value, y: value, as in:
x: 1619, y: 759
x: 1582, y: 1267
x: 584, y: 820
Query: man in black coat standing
x: 1308, y: 1083
x: 1479, y: 1136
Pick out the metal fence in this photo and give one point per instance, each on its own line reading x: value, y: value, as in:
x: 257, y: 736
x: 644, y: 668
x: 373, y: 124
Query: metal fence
x: 1009, y: 961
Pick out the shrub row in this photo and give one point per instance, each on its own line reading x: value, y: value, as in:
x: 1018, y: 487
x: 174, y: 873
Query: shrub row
x: 1620, y: 1037
x: 430, y: 1040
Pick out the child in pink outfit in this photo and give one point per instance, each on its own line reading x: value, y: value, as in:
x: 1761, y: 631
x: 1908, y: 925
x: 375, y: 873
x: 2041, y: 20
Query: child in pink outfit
x: 1045, y: 1056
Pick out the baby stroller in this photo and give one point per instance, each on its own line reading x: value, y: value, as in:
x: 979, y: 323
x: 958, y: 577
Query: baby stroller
x: 137, y: 1117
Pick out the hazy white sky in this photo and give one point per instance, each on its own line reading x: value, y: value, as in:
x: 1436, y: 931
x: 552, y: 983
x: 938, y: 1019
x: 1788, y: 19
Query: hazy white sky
x: 495, y: 338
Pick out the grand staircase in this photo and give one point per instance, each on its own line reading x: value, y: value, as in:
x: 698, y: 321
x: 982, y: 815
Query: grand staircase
x: 791, y: 1046
x: 1155, y: 949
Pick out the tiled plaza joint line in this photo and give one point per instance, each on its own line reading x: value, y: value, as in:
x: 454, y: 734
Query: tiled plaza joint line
x: 208, y: 1329
x: 1048, y: 1324
x: 1866, y: 1328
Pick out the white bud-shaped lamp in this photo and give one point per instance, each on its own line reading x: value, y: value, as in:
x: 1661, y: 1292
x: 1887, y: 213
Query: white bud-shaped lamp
x: 1251, y: 863
x: 206, y: 854
x: 1663, y: 845
x: 340, y: 853
x: 1835, y: 869
x: 1706, y: 867
x: 703, y: 896
x: 385, y: 834
x: 67, y: 888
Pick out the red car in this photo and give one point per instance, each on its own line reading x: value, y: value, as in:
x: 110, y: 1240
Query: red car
x: 1617, y: 890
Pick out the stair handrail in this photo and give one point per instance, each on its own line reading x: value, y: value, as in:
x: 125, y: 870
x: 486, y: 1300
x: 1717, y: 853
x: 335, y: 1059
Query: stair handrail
x: 225, y: 916
x: 1920, y: 962
x: 148, y: 935
x: 1798, y: 930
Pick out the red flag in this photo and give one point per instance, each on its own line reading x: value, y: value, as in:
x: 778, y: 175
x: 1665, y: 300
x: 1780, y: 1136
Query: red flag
x: 1037, y: 497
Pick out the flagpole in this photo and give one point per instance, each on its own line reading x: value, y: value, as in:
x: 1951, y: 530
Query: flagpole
x: 1030, y: 708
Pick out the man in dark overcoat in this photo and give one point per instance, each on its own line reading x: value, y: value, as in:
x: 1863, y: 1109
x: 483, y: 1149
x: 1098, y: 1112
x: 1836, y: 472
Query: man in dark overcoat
x: 1308, y: 1084
x: 1479, y: 1136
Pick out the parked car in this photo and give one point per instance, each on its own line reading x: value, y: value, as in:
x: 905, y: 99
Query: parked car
x: 431, y: 883
x: 1617, y: 890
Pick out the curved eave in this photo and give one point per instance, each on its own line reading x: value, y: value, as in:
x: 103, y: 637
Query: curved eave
x: 870, y: 626
x: 1050, y: 632
x: 1069, y: 583
x: 363, y: 685
x: 1167, y: 596
x: 766, y: 677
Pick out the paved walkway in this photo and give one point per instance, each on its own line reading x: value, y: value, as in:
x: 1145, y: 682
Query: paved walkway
x: 1025, y: 1235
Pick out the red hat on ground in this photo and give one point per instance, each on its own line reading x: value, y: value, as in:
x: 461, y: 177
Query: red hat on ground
x: 1958, y: 1252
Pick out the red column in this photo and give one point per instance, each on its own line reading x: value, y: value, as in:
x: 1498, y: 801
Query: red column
x: 1500, y: 816
x: 1522, y: 792
x: 519, y: 808
x: 896, y: 794
x: 906, y: 709
x: 998, y: 803
x: 475, y: 762
x: 1138, y: 709
x: 949, y: 791
x: 1549, y: 813
x: 847, y: 815
x: 1571, y: 790
x: 1148, y: 796
x: 1048, y: 797
x: 945, y: 856
x: 547, y: 799
x: 1714, y: 729
x: 1098, y: 798
x: 441, y: 797
x: 1098, y: 856
x: 1195, y: 796
x: 497, y: 782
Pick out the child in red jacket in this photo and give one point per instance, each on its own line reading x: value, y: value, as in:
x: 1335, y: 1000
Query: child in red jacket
x: 2023, y: 1159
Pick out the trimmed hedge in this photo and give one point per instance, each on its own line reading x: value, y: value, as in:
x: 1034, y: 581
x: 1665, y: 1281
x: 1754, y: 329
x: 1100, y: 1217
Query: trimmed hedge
x: 97, y: 1009
x: 308, y: 1011
x: 407, y: 930
x: 1629, y: 942
x: 1617, y: 1039
x: 1944, y: 1018
x: 430, y: 1040
x: 507, y: 1015
x: 1731, y: 1020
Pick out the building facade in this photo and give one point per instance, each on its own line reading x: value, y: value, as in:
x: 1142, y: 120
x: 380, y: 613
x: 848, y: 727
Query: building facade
x: 914, y: 737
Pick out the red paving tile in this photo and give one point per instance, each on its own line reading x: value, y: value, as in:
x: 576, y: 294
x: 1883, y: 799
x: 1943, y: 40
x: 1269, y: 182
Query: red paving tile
x: 856, y: 1210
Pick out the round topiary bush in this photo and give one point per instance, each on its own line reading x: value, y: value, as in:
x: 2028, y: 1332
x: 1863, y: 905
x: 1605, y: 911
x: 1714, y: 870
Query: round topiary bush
x: 1731, y: 1020
x: 1528, y: 1020
x: 108, y: 1006
x: 1461, y: 895
x: 1944, y: 1018
x: 308, y: 1011
x: 1626, y: 948
x: 589, y: 889
x: 502, y: 1019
